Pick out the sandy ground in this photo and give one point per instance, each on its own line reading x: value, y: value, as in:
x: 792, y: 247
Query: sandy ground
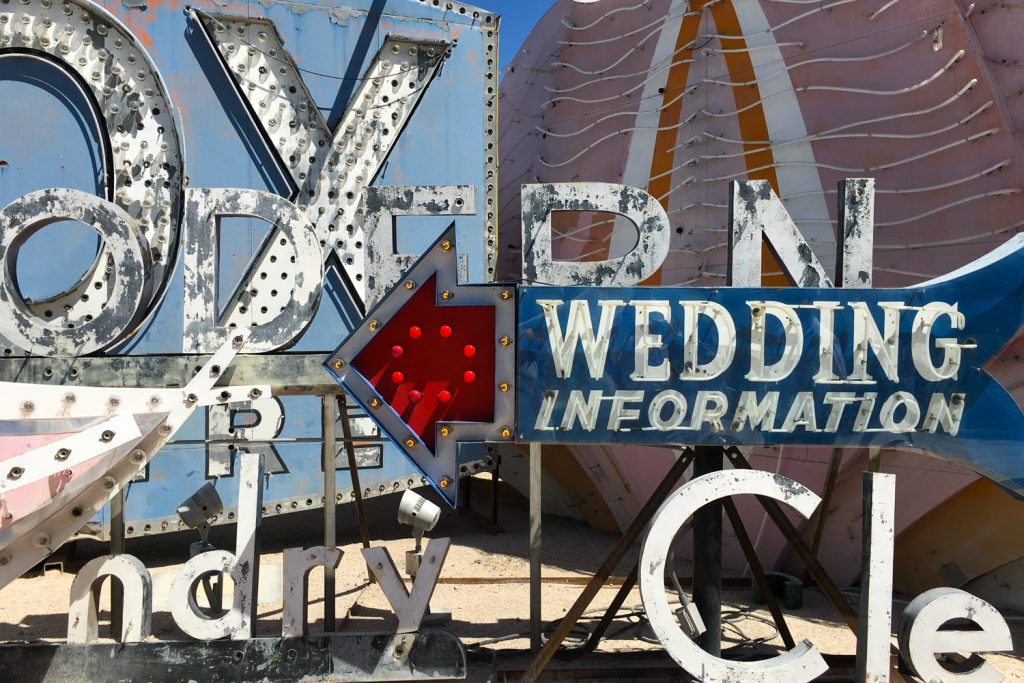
x: 484, y: 584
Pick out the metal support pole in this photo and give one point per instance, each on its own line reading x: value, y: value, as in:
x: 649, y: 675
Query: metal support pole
x: 329, y: 412
x: 622, y: 546
x: 495, y: 486
x: 535, y: 554
x: 116, y: 548
x: 758, y: 571
x: 357, y: 489
x: 707, y: 555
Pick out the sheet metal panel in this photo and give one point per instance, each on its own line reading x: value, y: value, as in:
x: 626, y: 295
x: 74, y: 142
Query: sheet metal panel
x: 766, y: 366
x: 448, y: 140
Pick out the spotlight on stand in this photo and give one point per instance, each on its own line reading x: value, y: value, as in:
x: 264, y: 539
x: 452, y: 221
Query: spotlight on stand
x: 416, y: 511
x: 198, y: 509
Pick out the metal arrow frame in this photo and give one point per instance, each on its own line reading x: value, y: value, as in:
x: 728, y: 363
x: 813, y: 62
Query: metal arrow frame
x: 442, y: 467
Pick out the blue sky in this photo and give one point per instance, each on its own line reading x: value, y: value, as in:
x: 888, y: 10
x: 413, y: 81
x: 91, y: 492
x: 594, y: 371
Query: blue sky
x: 518, y: 17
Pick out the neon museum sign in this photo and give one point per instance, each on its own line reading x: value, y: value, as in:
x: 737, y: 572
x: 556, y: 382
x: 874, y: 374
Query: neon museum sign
x: 599, y: 359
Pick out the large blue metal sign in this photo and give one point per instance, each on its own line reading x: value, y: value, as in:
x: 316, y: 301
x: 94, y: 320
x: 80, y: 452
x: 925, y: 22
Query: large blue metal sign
x: 260, y: 106
x: 669, y: 365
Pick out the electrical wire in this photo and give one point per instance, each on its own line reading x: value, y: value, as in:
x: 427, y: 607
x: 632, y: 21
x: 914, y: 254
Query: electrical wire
x: 604, y: 16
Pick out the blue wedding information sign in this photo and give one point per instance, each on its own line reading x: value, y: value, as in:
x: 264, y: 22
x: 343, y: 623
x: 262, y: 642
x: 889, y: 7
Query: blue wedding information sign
x: 765, y: 366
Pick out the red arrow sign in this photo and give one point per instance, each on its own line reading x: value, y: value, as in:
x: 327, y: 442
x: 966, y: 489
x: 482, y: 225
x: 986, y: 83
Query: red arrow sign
x: 424, y: 362
x: 433, y: 364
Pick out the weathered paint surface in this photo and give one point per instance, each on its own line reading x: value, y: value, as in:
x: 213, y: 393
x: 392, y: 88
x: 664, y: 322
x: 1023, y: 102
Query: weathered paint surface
x: 767, y: 366
x: 176, y: 96
x: 121, y: 288
x: 137, y: 617
x: 431, y: 655
x: 298, y: 563
x: 638, y: 207
x: 291, y: 290
x: 920, y: 637
x: 874, y: 628
x: 143, y: 153
x: 382, y: 205
x: 36, y: 522
x: 242, y: 566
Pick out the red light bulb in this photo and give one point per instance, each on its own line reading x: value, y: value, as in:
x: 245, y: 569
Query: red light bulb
x: 415, y: 396
x: 397, y: 351
x: 468, y: 376
x: 415, y: 332
x: 444, y: 396
x: 446, y: 331
x: 397, y: 377
x: 469, y: 351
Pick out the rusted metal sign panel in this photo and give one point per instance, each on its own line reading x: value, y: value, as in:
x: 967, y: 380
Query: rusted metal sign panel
x: 223, y: 158
x: 754, y: 366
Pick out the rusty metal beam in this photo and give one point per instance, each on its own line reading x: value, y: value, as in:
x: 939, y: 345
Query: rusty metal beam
x: 831, y: 477
x: 357, y: 489
x: 792, y: 536
x: 288, y: 374
x: 636, y: 527
x: 758, y: 571
x: 606, y: 619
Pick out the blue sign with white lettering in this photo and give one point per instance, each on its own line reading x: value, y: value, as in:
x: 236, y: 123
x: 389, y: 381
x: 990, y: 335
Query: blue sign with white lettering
x: 764, y: 366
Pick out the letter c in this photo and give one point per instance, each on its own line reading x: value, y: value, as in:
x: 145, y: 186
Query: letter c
x: 801, y: 664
